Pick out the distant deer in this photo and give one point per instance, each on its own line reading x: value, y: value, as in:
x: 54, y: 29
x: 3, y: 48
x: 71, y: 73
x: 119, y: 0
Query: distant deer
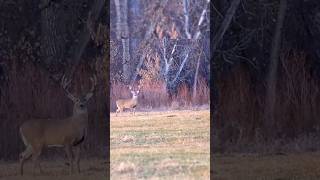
x: 128, y: 103
x: 69, y: 132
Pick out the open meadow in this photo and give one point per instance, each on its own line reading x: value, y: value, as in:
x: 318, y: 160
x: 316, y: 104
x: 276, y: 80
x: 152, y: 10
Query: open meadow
x: 55, y: 170
x: 160, y: 145
x: 293, y: 166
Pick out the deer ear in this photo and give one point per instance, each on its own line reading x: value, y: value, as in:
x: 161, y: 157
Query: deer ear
x: 138, y: 91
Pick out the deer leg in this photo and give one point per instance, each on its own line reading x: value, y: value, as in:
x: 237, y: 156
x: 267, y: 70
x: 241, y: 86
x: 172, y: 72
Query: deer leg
x: 25, y: 155
x: 67, y: 160
x: 77, y: 157
x: 39, y: 164
x: 35, y: 157
x: 119, y: 109
x: 69, y: 155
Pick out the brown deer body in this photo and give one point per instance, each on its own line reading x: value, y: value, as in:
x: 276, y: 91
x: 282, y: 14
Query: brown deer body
x: 128, y: 103
x: 68, y: 133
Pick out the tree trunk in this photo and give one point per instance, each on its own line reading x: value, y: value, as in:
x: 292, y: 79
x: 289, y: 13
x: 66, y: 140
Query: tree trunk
x: 214, y: 99
x: 201, y: 19
x: 84, y: 37
x: 273, y: 66
x: 225, y: 24
x: 123, y: 34
x: 52, y: 43
x: 194, y: 91
x: 186, y: 18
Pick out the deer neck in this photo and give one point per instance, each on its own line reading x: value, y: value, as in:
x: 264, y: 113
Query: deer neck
x: 80, y: 116
x: 134, y: 97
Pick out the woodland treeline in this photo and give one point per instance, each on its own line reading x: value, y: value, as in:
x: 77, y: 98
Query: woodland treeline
x: 40, y: 41
x: 265, y: 94
x: 163, y: 46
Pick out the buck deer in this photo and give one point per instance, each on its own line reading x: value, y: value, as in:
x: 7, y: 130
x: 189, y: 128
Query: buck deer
x: 68, y: 133
x: 128, y: 103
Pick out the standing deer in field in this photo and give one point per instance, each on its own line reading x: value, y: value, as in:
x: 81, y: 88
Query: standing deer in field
x: 128, y: 103
x: 69, y: 132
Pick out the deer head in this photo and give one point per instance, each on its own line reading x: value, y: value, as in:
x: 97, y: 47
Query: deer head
x: 134, y: 93
x: 80, y: 104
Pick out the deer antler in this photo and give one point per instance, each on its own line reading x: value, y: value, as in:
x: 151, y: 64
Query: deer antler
x: 94, y: 83
x: 65, y: 83
x: 90, y: 25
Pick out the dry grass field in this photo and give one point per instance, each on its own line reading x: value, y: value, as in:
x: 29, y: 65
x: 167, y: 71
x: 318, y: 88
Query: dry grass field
x: 55, y: 170
x: 298, y: 166
x: 160, y: 145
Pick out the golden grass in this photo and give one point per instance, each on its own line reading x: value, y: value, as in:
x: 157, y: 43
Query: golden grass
x: 160, y: 145
x: 55, y: 170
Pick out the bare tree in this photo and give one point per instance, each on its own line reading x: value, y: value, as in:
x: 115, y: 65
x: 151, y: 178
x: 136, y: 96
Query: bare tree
x: 196, y: 38
x: 168, y: 41
x: 225, y: 24
x: 85, y: 35
x: 147, y: 39
x: 186, y: 18
x: 274, y: 57
x: 123, y: 34
x: 52, y: 42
